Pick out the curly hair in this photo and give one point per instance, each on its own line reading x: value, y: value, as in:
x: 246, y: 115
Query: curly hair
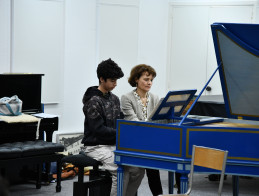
x: 137, y: 71
x: 109, y: 69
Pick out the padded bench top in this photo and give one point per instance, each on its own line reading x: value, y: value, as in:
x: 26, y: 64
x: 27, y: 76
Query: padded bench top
x: 81, y: 160
x: 28, y: 148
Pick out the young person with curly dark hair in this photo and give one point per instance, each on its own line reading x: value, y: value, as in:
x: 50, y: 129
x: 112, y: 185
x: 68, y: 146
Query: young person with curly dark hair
x: 136, y: 106
x: 102, y: 109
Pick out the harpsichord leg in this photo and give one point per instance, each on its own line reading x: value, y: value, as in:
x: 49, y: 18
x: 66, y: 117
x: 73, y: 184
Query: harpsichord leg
x: 184, y: 183
x: 120, y: 180
x: 235, y: 185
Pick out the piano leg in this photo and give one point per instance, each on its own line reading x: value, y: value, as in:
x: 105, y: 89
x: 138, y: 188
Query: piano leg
x: 120, y: 180
x: 59, y: 168
x: 235, y: 185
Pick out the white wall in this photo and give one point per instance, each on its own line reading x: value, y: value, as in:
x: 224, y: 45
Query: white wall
x: 257, y: 12
x: 5, y: 35
x: 117, y: 36
x: 128, y: 31
x: 153, y: 25
x: 191, y: 53
x: 38, y: 43
x: 80, y: 60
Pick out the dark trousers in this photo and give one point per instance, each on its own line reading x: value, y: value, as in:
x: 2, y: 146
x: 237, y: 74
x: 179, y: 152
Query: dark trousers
x: 177, y: 180
x: 154, y: 181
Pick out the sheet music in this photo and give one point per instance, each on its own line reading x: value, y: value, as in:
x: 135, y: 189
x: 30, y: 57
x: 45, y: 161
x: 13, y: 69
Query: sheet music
x: 183, y: 97
x: 204, y: 118
x: 44, y: 115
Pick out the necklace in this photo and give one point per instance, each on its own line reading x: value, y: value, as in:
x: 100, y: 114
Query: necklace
x: 142, y: 105
x: 144, y: 101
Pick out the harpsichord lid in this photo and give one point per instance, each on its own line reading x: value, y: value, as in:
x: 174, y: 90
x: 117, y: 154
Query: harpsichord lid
x: 237, y: 52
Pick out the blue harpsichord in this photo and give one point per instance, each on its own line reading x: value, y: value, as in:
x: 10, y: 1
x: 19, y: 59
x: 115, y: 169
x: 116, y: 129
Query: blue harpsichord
x: 165, y: 141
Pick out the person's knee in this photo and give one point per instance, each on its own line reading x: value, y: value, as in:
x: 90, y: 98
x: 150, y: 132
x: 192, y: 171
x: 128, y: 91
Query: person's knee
x: 137, y: 173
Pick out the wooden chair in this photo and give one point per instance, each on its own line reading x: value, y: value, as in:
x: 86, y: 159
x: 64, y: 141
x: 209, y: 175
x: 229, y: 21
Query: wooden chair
x: 209, y: 158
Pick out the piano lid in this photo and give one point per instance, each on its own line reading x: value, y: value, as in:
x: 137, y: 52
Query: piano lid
x: 26, y: 86
x: 172, y: 105
x: 237, y: 53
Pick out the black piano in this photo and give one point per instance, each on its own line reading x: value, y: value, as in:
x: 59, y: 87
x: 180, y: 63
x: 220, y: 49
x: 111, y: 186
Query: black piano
x: 165, y: 142
x: 28, y: 88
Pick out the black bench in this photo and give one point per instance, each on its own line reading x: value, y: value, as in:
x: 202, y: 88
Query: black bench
x: 31, y: 152
x: 99, y: 183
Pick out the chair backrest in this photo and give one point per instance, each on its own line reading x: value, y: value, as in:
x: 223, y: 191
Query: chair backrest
x: 210, y: 158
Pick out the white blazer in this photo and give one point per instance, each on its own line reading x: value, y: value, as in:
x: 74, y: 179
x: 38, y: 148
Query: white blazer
x: 131, y: 108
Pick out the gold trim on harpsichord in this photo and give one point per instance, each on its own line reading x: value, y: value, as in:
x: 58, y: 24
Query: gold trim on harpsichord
x: 222, y: 66
x: 149, y: 151
x: 188, y: 155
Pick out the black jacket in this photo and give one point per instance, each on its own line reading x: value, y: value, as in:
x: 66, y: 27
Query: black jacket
x: 101, y: 112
